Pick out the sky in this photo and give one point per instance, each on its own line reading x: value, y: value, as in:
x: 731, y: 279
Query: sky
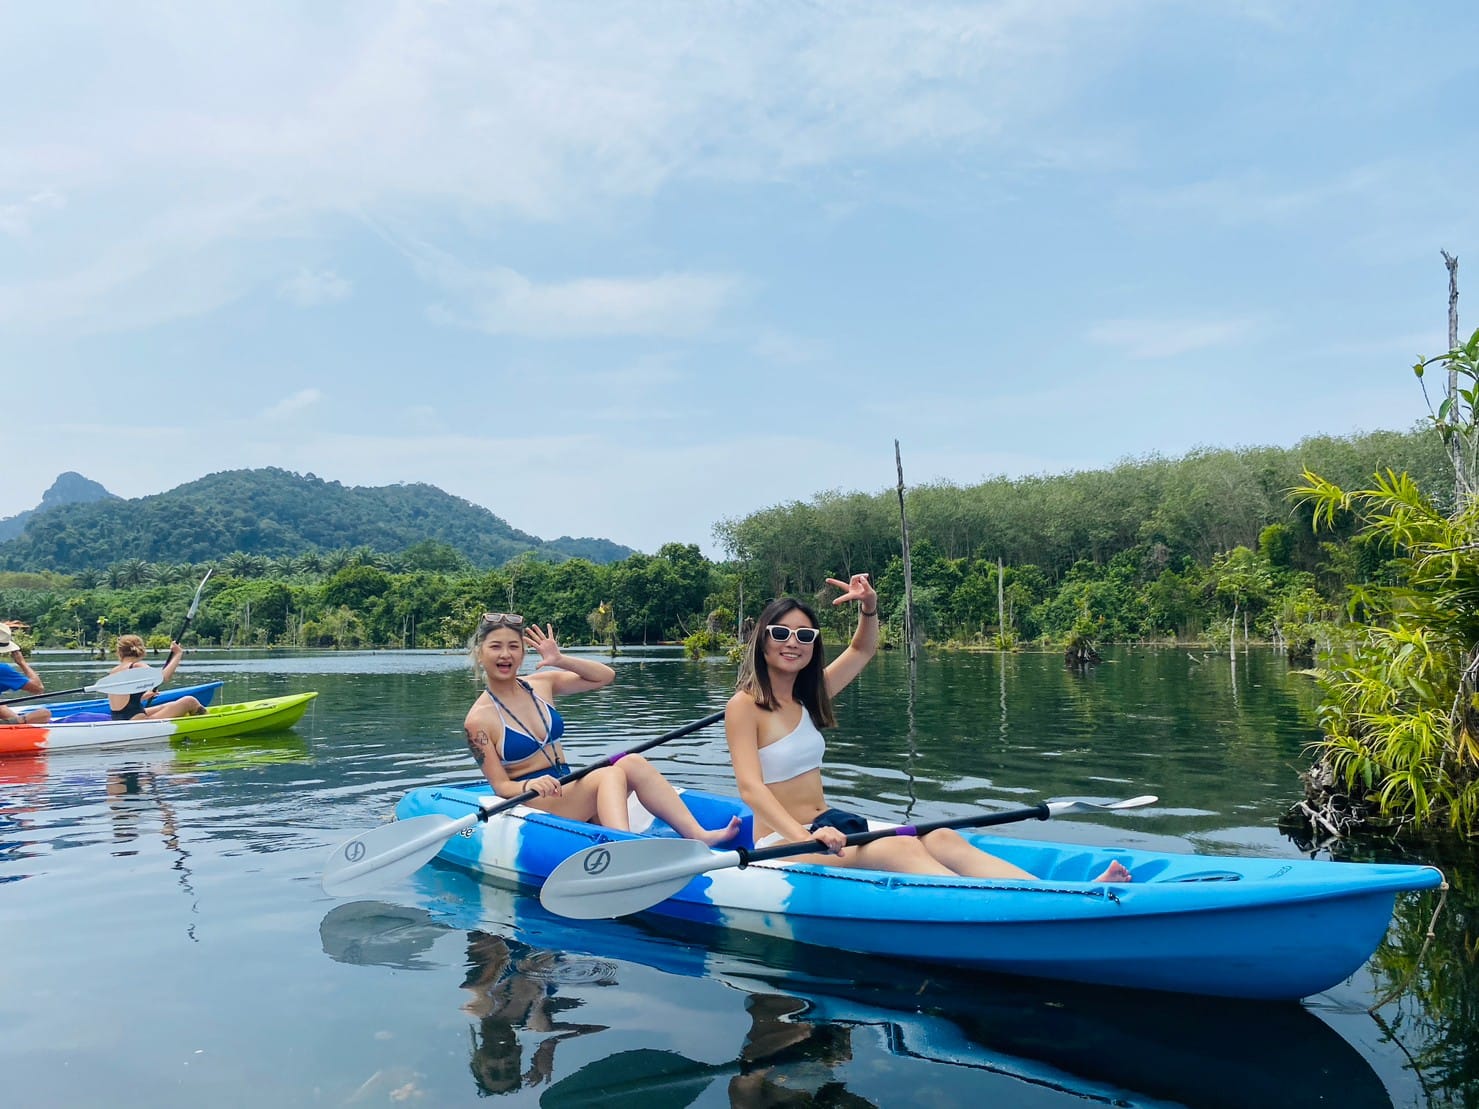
x: 629, y: 269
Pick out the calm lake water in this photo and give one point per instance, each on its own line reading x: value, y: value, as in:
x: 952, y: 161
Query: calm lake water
x: 167, y: 943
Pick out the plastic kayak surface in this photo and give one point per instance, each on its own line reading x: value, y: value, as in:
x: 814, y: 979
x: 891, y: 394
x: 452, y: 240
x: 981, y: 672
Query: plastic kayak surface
x: 1233, y: 926
x: 242, y: 718
x: 63, y: 710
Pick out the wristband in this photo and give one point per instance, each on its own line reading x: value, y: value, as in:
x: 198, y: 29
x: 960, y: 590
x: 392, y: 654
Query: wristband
x: 865, y: 612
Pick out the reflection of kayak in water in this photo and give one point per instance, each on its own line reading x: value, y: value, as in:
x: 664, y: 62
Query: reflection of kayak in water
x: 88, y: 766
x: 1102, y: 1045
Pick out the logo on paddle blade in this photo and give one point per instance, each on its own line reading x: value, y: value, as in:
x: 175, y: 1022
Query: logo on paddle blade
x: 597, y: 861
x: 354, y: 851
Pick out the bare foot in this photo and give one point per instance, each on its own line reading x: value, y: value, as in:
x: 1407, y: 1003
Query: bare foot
x: 1115, y: 873
x: 716, y: 836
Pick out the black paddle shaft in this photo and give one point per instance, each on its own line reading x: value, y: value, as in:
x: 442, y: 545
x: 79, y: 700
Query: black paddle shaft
x: 979, y: 820
x: 610, y: 760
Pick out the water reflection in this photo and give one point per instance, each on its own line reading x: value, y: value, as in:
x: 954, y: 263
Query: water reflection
x: 808, y: 1008
x: 785, y: 1060
x: 513, y: 989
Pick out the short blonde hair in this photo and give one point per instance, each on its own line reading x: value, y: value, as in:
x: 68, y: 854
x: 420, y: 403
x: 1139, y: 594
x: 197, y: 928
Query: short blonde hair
x: 130, y: 646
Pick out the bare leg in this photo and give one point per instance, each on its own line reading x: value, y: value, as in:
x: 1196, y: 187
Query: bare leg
x: 185, y: 706
x: 660, y: 799
x: 952, y: 851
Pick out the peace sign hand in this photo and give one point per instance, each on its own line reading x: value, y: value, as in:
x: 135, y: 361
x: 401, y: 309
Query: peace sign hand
x: 856, y: 588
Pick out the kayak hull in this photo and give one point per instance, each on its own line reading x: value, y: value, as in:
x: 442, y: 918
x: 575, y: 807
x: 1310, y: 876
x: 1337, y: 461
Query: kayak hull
x: 65, y: 710
x: 1263, y: 928
x: 242, y: 718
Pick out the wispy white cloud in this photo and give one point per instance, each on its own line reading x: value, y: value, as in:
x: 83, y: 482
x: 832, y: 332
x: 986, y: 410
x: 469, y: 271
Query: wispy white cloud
x: 302, y: 399
x: 1148, y: 338
x: 502, y: 302
x: 311, y: 288
x: 16, y: 218
x: 778, y: 346
x: 525, y: 110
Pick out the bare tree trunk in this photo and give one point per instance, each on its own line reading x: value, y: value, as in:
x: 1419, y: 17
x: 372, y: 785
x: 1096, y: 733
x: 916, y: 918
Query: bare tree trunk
x: 1461, y: 490
x: 1001, y: 608
x: 908, y: 573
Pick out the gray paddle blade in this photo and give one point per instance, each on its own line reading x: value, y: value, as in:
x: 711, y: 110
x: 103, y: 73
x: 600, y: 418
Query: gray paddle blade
x: 1069, y: 808
x: 139, y: 679
x: 627, y: 876
x: 389, y: 852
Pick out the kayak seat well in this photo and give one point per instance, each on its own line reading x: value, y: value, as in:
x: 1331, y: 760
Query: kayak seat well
x: 710, y: 812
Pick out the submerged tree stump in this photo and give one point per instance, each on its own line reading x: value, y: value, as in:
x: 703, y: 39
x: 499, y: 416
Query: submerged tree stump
x: 1080, y: 652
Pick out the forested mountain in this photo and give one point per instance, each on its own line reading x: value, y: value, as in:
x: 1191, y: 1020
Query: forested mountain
x: 275, y: 513
x: 68, y: 488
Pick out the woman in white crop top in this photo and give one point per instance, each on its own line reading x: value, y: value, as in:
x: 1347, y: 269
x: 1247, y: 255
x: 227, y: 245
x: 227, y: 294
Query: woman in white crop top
x: 773, y: 725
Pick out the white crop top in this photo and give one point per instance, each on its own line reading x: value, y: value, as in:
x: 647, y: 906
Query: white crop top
x: 793, y: 755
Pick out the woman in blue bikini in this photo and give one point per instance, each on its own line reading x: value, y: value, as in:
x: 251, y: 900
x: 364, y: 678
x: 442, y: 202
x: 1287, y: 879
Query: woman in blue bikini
x: 773, y: 724
x: 513, y: 731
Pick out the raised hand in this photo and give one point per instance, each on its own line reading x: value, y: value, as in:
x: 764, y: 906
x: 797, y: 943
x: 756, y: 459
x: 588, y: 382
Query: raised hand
x: 544, y: 642
x: 856, y: 588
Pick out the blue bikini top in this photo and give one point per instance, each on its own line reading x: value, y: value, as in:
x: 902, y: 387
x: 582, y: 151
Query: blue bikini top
x: 518, y: 743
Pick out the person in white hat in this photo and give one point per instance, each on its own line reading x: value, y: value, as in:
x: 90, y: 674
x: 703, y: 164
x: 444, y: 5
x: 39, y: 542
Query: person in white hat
x: 19, y: 676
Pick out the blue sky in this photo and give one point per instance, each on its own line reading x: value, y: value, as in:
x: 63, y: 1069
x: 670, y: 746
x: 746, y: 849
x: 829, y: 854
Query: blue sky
x: 627, y: 269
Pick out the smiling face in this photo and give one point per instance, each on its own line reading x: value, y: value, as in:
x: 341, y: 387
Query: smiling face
x: 501, y: 653
x: 792, y: 656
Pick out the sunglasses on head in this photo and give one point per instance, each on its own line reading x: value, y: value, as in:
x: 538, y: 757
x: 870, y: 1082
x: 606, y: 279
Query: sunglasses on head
x: 493, y: 620
x: 780, y: 633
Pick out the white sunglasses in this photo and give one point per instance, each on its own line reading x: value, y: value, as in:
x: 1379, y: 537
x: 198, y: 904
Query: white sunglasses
x: 780, y: 633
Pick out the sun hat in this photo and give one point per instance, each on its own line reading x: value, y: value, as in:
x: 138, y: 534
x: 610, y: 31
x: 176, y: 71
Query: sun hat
x: 7, y: 641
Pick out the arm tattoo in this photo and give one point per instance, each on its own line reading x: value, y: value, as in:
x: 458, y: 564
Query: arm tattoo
x: 477, y: 744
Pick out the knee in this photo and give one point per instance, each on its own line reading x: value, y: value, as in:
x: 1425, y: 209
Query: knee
x: 944, y: 837
x: 600, y: 778
x: 634, y: 766
x: 191, y: 704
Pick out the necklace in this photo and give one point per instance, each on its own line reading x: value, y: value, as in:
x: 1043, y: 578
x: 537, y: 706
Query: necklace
x: 528, y: 731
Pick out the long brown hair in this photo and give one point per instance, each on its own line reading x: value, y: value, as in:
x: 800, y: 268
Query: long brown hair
x: 811, y: 684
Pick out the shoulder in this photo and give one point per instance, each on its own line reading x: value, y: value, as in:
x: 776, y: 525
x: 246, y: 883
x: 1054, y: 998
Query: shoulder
x: 479, y: 709
x: 10, y: 677
x: 741, y: 707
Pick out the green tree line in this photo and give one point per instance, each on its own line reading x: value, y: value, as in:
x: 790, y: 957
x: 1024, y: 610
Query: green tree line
x: 1150, y: 550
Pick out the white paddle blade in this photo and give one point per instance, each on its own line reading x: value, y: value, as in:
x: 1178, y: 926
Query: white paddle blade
x: 140, y: 679
x: 614, y: 879
x: 389, y: 852
x: 1068, y: 808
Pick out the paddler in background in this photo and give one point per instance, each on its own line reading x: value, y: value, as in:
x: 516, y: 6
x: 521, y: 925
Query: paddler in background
x: 17, y: 677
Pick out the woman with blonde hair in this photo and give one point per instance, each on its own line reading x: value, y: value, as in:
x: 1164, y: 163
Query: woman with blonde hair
x: 131, y: 656
x: 513, y: 731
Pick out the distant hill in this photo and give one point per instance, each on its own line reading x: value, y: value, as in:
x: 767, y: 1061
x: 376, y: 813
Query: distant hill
x: 272, y: 512
x: 68, y: 488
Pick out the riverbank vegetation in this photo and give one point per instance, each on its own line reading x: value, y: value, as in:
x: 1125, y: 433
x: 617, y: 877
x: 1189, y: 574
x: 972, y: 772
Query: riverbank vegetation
x: 1400, y: 711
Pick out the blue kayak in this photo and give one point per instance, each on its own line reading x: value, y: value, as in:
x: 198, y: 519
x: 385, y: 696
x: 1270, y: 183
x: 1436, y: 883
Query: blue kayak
x: 1231, y: 926
x: 63, y: 710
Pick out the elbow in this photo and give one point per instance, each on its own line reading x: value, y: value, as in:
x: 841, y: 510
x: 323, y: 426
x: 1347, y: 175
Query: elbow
x: 34, y: 686
x: 750, y: 792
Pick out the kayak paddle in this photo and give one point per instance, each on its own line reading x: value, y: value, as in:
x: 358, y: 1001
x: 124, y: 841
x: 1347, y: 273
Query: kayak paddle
x: 627, y: 876
x: 195, y: 604
x: 140, y: 679
x: 402, y: 847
